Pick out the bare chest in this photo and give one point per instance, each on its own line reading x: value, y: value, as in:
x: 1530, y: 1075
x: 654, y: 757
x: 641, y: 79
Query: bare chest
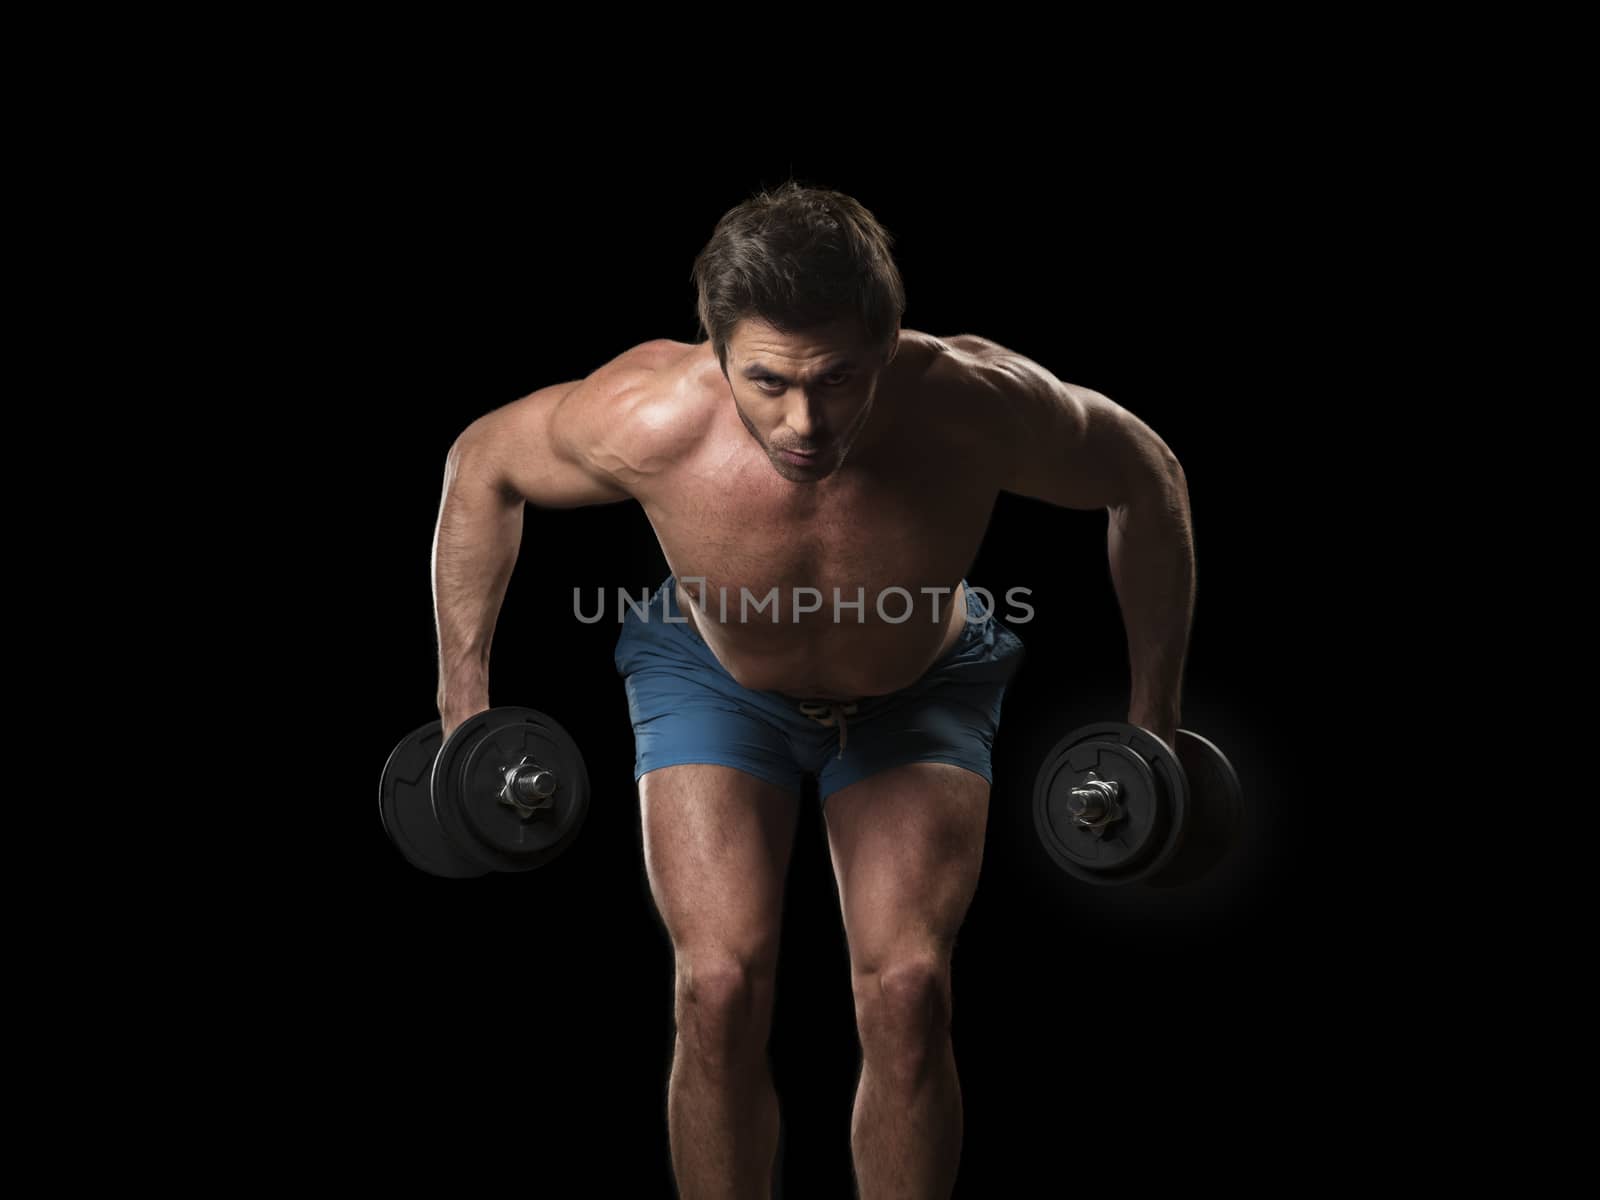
x: 842, y: 588
x: 750, y: 535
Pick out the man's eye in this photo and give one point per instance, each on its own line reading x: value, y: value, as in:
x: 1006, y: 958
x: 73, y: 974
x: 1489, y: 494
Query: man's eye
x: 836, y: 379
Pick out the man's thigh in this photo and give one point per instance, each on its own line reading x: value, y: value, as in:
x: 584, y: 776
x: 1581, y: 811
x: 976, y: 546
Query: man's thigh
x: 907, y: 847
x: 716, y: 844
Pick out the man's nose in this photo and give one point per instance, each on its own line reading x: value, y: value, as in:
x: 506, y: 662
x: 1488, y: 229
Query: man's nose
x: 804, y: 417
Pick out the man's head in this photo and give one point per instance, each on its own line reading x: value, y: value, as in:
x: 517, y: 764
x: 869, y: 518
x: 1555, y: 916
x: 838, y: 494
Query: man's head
x: 792, y: 284
x: 804, y: 397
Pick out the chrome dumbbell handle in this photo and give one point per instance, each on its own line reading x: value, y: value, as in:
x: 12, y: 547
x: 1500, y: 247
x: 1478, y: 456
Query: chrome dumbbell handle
x: 529, y: 788
x: 1095, y: 803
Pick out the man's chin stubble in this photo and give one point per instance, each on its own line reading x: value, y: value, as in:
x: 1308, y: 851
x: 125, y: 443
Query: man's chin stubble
x: 799, y: 474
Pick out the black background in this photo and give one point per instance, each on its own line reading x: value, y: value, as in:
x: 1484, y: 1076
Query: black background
x: 1186, y: 290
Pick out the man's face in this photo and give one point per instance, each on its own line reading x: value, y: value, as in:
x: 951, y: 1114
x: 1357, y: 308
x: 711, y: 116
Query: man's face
x: 799, y: 392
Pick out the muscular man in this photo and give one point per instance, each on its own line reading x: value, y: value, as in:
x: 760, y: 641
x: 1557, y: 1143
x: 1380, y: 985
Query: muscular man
x: 800, y: 465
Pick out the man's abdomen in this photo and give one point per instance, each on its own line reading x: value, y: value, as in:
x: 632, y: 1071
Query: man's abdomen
x: 875, y: 640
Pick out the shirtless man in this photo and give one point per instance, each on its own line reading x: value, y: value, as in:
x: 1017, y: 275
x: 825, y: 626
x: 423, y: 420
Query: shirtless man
x: 813, y: 443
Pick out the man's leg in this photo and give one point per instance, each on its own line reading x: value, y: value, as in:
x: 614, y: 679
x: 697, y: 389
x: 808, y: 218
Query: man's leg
x: 907, y: 845
x: 717, y: 843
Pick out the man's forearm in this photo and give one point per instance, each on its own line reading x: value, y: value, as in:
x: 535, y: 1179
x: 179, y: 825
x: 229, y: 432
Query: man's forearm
x: 1151, y: 545
x: 474, y: 550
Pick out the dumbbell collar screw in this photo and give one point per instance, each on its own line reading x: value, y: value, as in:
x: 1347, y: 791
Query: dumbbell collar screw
x: 528, y: 787
x: 1095, y: 804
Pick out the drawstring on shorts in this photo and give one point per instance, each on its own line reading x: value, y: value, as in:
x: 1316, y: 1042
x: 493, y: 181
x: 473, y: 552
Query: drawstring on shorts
x: 835, y: 714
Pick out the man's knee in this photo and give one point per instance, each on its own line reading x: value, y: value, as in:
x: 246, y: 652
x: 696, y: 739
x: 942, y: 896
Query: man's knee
x: 723, y: 1006
x: 903, y: 1011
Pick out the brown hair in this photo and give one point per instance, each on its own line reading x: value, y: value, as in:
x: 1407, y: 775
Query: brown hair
x: 798, y: 257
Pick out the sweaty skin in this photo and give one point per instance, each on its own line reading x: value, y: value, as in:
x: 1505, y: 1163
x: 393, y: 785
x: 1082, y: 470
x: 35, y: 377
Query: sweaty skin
x: 914, y: 455
x: 907, y: 509
x: 909, y: 461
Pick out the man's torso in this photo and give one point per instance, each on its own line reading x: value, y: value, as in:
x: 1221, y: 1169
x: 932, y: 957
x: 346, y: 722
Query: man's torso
x: 908, y: 511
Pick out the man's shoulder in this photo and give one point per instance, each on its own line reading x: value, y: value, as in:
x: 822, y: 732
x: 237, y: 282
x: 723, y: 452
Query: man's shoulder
x: 677, y: 387
x: 957, y: 358
x: 973, y: 365
x: 657, y: 354
x: 658, y: 403
x: 951, y: 366
x: 951, y: 377
x: 993, y: 399
x: 643, y: 367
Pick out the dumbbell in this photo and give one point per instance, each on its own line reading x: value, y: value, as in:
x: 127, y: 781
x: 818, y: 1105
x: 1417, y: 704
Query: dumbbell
x: 1114, y: 804
x: 507, y: 792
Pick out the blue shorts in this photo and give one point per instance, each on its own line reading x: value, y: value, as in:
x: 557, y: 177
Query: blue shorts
x: 686, y: 708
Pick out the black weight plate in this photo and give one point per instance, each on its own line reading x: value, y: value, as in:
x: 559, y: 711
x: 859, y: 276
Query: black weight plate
x: 1126, y: 841
x: 406, y: 807
x: 1216, y: 802
x: 446, y: 789
x: 468, y: 777
x: 537, y: 839
x: 1153, y: 803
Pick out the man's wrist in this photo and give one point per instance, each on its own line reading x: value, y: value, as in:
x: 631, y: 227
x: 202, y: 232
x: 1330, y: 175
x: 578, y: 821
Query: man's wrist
x: 462, y: 704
